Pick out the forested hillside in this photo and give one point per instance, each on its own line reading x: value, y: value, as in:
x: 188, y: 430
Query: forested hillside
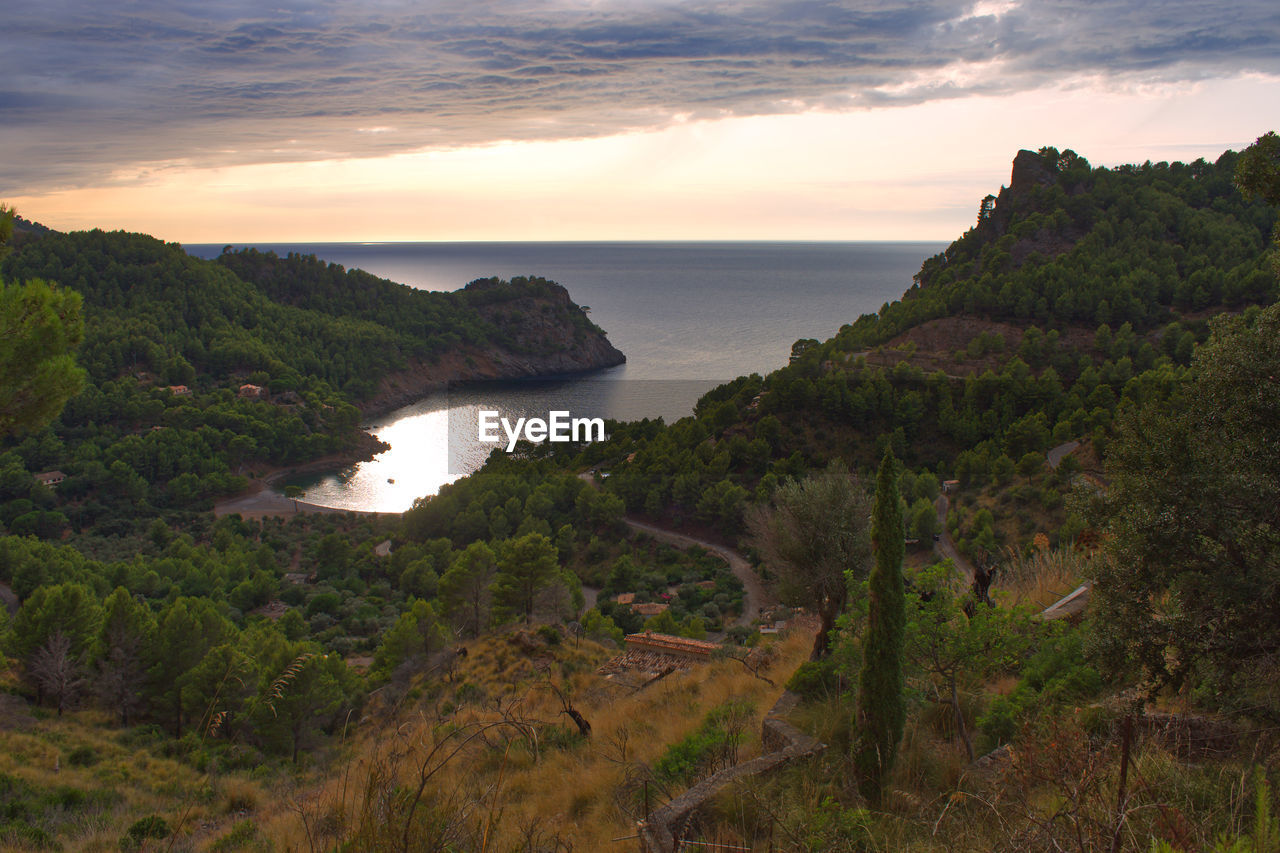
x: 1077, y: 288
x: 1078, y: 393
x: 198, y: 376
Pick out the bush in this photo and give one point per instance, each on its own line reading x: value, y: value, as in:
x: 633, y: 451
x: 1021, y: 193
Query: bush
x: 712, y: 746
x: 152, y: 826
x: 83, y: 756
x: 816, y: 679
x: 240, y: 836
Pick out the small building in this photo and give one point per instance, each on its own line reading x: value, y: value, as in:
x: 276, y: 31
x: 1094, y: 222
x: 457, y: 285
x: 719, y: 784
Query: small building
x: 251, y: 392
x: 180, y: 390
x: 649, y: 609
x: 667, y: 644
x: 51, y: 478
x: 626, y: 598
x: 949, y: 486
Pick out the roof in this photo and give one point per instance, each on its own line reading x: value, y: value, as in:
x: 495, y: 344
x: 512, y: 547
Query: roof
x: 626, y: 598
x: 671, y: 643
x: 649, y: 609
x: 51, y: 477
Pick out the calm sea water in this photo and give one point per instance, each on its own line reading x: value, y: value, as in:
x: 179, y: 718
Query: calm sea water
x: 687, y: 315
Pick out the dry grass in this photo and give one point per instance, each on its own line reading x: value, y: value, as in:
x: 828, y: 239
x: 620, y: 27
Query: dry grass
x: 502, y: 768
x: 1042, y: 577
x: 121, y: 782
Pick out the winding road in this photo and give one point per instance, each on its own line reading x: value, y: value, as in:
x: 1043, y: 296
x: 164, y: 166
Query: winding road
x: 754, y: 596
x: 944, y: 546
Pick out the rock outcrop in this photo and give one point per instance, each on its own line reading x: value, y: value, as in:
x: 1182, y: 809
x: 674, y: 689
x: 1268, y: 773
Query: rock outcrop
x: 541, y: 336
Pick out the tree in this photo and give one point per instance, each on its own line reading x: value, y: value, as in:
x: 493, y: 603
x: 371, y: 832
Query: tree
x: 465, y: 590
x: 1258, y: 169
x: 127, y: 628
x: 416, y: 635
x: 950, y: 641
x: 56, y: 670
x: 184, y: 634
x: 215, y: 690
x: 40, y: 325
x: 306, y: 696
x: 1258, y: 174
x: 1192, y: 588
x: 68, y: 610
x: 814, y: 538
x: 882, y: 709
x: 526, y: 567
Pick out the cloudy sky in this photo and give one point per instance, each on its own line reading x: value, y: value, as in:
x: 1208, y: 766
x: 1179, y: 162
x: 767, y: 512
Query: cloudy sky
x: 600, y: 119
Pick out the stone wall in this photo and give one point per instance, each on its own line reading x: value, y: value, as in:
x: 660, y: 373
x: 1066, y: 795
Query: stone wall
x: 784, y: 742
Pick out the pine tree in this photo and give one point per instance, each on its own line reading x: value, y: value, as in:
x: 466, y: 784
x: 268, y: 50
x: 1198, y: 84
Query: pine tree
x: 881, y: 711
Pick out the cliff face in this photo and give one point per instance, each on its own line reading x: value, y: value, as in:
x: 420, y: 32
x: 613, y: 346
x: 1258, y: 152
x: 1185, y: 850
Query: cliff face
x: 538, y: 335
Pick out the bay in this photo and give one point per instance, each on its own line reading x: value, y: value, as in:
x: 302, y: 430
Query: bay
x: 688, y: 316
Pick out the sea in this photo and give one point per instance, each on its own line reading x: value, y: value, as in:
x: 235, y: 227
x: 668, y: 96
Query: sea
x: 688, y: 316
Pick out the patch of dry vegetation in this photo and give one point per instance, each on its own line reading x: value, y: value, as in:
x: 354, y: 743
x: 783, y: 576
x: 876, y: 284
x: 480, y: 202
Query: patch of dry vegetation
x: 490, y: 760
x: 76, y: 783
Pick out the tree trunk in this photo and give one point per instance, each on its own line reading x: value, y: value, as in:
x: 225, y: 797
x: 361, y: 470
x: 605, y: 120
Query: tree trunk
x: 960, y: 727
x: 822, y: 640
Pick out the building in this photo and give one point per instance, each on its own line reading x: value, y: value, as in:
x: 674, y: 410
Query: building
x: 180, y: 390
x: 51, y: 478
x: 251, y: 392
x: 667, y: 644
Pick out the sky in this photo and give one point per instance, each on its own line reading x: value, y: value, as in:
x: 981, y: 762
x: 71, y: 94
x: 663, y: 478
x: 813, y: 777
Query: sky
x: 321, y: 120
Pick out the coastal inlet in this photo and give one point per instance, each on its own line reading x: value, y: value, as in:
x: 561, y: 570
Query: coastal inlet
x: 436, y: 440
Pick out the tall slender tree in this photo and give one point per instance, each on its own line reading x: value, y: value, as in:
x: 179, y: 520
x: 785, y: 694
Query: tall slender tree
x: 882, y: 711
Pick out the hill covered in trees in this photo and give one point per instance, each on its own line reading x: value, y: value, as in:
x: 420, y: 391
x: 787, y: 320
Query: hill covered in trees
x: 1077, y: 288
x: 200, y: 372
x: 1081, y: 389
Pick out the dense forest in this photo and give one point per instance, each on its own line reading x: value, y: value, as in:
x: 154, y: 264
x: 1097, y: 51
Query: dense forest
x: 198, y: 377
x: 1079, y: 392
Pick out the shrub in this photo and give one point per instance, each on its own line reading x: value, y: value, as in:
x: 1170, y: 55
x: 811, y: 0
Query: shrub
x: 152, y: 826
x: 83, y: 756
x: 713, y: 745
x: 816, y: 679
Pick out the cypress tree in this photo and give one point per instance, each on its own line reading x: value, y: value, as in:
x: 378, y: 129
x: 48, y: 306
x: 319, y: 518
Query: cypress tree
x: 881, y: 711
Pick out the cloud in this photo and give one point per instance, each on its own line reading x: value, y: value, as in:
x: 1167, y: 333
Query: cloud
x: 94, y: 93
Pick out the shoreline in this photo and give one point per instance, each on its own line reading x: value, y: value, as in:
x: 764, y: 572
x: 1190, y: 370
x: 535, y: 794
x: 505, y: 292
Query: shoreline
x: 417, y: 382
x: 261, y: 500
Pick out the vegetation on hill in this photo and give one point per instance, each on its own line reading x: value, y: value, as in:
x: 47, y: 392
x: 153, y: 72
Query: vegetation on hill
x: 1129, y: 310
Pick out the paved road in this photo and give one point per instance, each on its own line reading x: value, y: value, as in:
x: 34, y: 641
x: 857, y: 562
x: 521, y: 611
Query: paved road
x: 754, y: 596
x: 1062, y: 451
x: 944, y: 546
x: 8, y: 598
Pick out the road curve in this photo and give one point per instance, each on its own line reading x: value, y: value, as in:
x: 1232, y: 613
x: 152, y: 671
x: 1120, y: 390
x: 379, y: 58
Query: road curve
x: 754, y: 596
x: 944, y: 546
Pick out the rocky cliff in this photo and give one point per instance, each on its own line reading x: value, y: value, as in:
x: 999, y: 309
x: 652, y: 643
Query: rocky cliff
x: 540, y: 332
